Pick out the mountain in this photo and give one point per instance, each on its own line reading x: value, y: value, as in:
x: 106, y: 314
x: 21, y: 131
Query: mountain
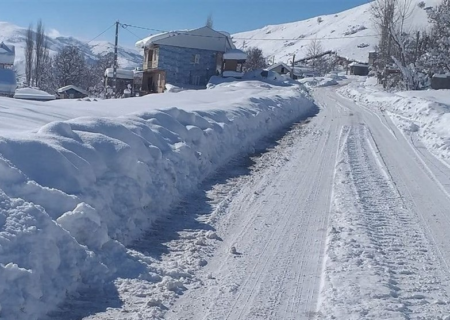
x: 12, y: 34
x: 351, y: 33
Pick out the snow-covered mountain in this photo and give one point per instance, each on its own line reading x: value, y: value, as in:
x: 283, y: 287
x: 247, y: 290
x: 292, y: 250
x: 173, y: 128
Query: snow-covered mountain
x: 15, y: 35
x: 351, y: 33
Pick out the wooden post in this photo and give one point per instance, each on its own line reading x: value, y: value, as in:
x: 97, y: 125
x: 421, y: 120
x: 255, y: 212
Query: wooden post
x: 115, y: 60
x: 292, y: 68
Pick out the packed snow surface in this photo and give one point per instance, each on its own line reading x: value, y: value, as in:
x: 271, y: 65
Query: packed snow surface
x: 81, y: 179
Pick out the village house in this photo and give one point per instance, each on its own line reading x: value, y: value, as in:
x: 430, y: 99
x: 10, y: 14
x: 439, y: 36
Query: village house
x: 280, y: 68
x: 300, y: 71
x: 359, y: 69
x: 7, y: 74
x: 125, y: 79
x: 71, y: 92
x: 440, y: 81
x: 188, y: 58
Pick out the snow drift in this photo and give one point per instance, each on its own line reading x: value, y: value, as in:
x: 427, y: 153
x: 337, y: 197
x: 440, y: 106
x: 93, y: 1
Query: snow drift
x: 74, y: 192
x: 425, y: 113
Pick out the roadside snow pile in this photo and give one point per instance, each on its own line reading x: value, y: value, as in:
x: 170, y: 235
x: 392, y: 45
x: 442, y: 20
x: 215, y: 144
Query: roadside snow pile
x: 74, y: 192
x: 426, y: 113
x: 318, y: 82
x: 33, y: 94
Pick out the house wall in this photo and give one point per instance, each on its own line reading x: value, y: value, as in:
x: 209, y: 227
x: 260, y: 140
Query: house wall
x: 180, y: 68
x: 359, y: 71
x: 438, y: 83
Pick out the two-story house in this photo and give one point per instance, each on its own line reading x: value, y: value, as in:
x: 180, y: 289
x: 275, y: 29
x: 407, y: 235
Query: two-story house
x: 183, y: 58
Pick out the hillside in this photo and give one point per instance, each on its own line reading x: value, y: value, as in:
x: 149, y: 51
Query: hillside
x: 12, y: 34
x: 351, y: 33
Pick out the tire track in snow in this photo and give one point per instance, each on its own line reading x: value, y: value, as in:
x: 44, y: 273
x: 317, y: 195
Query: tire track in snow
x: 380, y: 264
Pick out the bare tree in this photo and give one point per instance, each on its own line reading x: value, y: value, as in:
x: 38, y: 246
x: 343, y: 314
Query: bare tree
x: 314, y: 52
x: 209, y: 21
x: 390, y: 17
x: 70, y: 67
x: 255, y: 59
x: 29, y: 48
x: 47, y: 77
x: 41, y: 47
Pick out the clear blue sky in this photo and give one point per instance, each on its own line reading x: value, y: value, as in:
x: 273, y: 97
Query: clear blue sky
x: 88, y: 18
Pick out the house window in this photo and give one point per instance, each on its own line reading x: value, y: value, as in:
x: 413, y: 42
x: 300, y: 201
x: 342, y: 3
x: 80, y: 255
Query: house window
x: 195, y: 80
x: 195, y: 59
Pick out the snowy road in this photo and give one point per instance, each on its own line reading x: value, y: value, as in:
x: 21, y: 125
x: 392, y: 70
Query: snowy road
x: 351, y: 187
x: 277, y: 222
x: 345, y: 218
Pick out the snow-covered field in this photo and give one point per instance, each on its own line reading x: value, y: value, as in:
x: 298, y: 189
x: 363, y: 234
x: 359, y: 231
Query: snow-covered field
x: 351, y: 34
x: 79, y: 180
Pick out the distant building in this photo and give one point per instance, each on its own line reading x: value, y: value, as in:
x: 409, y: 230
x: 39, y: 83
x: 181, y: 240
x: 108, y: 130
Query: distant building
x: 233, y: 63
x: 71, y: 92
x: 186, y: 58
x: 300, y: 71
x: 124, y: 79
x: 280, y: 68
x: 440, y: 81
x: 359, y: 69
x: 8, y: 83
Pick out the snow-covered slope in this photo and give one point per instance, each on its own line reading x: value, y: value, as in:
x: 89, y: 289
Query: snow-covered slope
x: 15, y: 35
x: 351, y: 33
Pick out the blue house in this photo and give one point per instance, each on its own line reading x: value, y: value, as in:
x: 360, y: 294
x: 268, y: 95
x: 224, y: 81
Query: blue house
x: 183, y: 58
x: 7, y: 74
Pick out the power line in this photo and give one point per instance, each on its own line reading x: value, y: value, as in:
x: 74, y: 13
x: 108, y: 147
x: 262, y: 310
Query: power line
x: 102, y: 33
x: 125, y: 28
x: 255, y: 39
x: 305, y: 39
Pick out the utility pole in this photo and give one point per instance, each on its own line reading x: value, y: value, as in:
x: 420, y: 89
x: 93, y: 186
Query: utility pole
x: 115, y: 59
x: 292, y: 68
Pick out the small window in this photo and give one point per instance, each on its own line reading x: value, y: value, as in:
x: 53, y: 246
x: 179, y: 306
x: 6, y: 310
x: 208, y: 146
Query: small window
x: 195, y: 59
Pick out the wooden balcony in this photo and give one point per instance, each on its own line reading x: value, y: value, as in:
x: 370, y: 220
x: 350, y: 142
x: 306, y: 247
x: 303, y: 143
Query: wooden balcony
x: 149, y: 65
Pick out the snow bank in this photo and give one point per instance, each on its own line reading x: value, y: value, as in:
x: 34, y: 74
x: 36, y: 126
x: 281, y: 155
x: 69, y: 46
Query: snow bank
x: 73, y: 192
x: 426, y: 113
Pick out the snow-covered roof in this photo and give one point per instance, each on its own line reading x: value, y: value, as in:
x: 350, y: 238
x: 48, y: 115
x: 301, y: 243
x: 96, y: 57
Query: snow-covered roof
x: 356, y: 64
x: 276, y: 65
x: 33, y: 94
x: 298, y: 71
x: 235, y: 54
x: 7, y: 54
x: 441, y: 76
x: 63, y: 89
x: 121, y: 73
x: 203, y: 38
